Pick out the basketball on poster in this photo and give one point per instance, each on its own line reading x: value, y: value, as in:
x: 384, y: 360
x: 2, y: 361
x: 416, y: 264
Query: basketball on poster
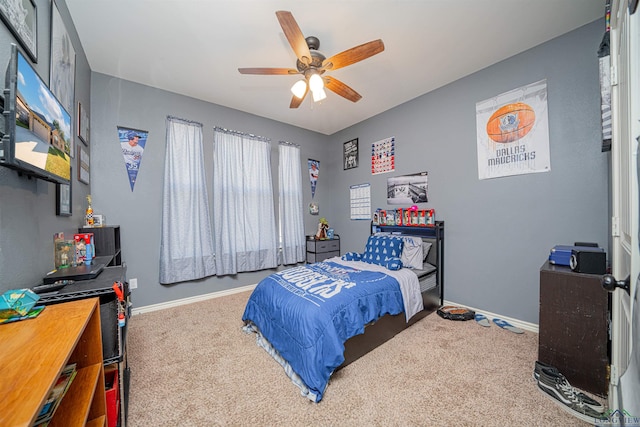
x: 511, y: 122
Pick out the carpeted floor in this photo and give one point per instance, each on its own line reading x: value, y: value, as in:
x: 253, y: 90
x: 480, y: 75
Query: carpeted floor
x: 193, y: 366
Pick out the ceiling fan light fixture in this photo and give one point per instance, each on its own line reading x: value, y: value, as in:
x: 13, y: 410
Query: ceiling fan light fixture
x: 312, y: 64
x: 319, y: 95
x: 299, y: 88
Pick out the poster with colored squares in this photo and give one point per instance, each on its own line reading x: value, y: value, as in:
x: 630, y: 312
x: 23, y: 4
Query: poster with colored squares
x: 383, y: 156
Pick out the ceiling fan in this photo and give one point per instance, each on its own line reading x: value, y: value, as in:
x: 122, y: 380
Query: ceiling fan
x: 312, y: 64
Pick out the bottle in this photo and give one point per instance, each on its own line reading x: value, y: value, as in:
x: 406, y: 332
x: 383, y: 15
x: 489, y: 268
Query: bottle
x: 88, y: 253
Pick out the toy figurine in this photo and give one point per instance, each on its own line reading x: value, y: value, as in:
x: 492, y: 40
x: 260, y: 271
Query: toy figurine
x: 323, y: 226
x: 88, y: 218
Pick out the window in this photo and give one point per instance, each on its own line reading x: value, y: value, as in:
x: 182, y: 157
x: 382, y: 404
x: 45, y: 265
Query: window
x: 243, y: 210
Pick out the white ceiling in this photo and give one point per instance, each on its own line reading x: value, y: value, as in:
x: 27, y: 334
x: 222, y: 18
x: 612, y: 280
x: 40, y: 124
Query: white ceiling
x: 194, y: 47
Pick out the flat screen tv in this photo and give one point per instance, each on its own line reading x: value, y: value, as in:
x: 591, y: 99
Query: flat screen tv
x: 37, y: 129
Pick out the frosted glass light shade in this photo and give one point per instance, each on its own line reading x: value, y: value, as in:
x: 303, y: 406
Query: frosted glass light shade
x: 299, y: 88
x: 315, y: 82
x: 319, y: 95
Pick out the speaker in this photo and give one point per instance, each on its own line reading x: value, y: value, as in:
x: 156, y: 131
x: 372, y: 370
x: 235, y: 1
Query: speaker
x: 590, y: 262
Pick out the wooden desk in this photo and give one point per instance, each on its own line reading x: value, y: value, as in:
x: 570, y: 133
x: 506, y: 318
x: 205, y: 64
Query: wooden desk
x: 34, y: 353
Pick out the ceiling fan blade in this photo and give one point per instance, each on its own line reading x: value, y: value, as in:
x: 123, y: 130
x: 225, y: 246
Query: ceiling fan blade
x: 295, y: 101
x: 341, y: 89
x: 294, y: 35
x: 268, y: 71
x: 353, y: 55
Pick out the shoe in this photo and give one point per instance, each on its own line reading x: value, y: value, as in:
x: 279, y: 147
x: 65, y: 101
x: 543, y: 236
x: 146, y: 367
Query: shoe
x: 482, y: 320
x: 565, y: 396
x: 592, y: 403
x: 508, y: 326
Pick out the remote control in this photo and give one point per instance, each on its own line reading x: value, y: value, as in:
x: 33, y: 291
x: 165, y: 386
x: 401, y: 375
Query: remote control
x: 51, y: 287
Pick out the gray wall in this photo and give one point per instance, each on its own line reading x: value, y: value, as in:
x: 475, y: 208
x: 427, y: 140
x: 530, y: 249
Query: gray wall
x: 498, y: 231
x: 139, y: 213
x: 28, y: 218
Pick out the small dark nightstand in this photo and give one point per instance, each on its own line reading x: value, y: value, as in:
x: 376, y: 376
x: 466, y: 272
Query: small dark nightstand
x: 318, y: 250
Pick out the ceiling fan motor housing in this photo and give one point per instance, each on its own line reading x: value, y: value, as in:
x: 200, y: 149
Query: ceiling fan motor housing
x: 316, y: 61
x: 313, y: 42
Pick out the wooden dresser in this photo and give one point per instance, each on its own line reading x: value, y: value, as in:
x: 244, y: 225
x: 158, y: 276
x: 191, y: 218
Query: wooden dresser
x: 573, y: 330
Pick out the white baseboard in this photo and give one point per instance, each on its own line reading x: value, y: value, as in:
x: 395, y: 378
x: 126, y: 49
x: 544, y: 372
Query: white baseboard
x: 527, y: 326
x: 190, y: 300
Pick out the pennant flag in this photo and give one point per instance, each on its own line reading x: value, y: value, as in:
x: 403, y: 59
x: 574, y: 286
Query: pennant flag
x: 314, y: 168
x: 132, y: 142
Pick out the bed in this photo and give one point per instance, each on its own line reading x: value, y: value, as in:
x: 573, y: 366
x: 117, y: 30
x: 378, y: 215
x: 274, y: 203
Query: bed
x: 316, y: 318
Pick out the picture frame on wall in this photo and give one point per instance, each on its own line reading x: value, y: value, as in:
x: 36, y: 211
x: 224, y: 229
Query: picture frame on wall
x: 350, y: 154
x: 21, y: 18
x: 83, y: 124
x: 408, y: 189
x: 63, y: 62
x: 83, y: 165
x: 63, y: 199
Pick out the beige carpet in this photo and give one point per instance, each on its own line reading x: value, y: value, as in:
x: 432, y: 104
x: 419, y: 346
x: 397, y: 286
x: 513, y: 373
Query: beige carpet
x: 193, y: 366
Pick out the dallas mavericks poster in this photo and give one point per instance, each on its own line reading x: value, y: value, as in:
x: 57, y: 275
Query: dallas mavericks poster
x: 513, y: 132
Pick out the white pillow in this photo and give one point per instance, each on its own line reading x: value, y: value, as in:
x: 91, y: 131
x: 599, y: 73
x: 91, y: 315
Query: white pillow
x: 426, y: 247
x: 412, y: 252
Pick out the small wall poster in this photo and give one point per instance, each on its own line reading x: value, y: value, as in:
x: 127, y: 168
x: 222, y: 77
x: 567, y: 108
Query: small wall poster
x: 350, y: 154
x: 132, y: 143
x: 383, y: 156
x: 513, y: 132
x: 314, y: 169
x: 360, y: 195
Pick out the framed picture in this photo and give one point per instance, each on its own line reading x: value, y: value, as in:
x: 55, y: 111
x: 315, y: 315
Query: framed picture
x: 63, y: 199
x: 408, y: 189
x: 98, y: 220
x: 63, y: 62
x: 22, y: 19
x: 83, y: 165
x: 83, y: 124
x: 350, y: 154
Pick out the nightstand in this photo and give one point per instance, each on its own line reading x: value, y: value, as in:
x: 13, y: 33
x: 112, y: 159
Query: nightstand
x: 319, y: 250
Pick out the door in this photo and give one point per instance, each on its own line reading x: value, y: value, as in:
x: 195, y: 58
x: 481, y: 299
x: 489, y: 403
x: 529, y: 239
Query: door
x: 625, y: 252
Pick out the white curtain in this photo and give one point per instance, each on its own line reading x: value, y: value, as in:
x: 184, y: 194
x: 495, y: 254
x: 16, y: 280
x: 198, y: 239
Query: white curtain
x: 292, y: 237
x: 186, y: 247
x: 243, y: 210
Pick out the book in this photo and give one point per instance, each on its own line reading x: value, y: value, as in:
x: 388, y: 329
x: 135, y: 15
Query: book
x: 55, y: 395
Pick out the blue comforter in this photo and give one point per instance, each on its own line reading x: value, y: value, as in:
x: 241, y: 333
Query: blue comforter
x: 308, y: 312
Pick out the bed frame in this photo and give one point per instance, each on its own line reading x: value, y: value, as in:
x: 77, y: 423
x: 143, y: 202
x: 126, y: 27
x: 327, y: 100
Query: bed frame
x: 389, y: 326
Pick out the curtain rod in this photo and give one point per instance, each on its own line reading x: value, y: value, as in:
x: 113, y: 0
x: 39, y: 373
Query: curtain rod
x: 289, y: 143
x: 184, y: 120
x: 235, y: 132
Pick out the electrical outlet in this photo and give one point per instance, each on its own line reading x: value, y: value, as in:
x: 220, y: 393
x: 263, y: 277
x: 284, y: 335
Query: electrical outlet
x: 133, y: 283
